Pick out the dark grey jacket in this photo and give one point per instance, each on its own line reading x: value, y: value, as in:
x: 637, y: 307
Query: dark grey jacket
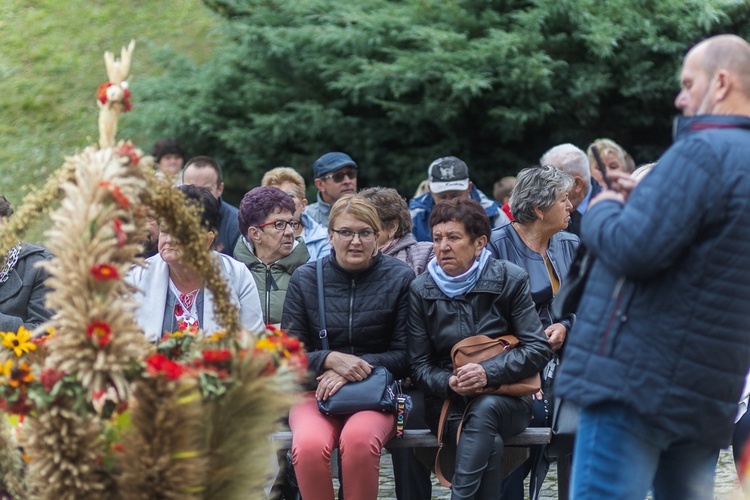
x: 229, y: 229
x: 365, y: 312
x: 499, y: 304
x: 22, y: 295
x: 506, y: 244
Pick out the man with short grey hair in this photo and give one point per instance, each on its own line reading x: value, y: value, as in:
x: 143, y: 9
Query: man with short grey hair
x: 574, y: 162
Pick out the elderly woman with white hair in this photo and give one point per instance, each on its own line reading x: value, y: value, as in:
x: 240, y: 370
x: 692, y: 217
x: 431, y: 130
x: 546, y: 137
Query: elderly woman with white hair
x: 535, y: 241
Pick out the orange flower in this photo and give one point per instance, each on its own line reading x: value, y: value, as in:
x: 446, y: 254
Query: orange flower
x: 101, y: 331
x: 103, y: 272
x: 21, y: 376
x: 116, y: 193
x: 101, y: 93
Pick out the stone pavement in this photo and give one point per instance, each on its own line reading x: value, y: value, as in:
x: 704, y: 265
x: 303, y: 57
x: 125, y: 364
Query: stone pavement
x: 726, y: 481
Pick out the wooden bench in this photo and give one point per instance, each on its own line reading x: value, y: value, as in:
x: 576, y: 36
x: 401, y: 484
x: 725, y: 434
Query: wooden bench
x: 516, y: 448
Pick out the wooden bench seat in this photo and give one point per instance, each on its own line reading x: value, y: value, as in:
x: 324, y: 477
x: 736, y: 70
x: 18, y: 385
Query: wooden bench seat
x: 423, y: 438
x: 425, y: 444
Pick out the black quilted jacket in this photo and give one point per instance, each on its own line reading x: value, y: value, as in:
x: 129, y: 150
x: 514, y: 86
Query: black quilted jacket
x: 366, y: 312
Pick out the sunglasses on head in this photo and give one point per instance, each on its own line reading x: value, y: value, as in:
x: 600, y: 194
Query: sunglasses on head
x: 339, y: 176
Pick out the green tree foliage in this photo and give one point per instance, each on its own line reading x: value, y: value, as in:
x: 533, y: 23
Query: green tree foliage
x: 398, y: 83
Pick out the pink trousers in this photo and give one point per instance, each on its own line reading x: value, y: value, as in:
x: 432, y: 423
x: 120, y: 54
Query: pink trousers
x: 359, y: 437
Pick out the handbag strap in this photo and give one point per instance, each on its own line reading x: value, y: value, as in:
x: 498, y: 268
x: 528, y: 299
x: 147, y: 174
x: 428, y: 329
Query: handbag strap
x: 323, y: 334
x: 440, y: 435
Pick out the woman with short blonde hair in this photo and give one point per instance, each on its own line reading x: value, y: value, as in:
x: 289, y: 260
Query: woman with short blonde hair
x: 366, y: 308
x: 291, y: 182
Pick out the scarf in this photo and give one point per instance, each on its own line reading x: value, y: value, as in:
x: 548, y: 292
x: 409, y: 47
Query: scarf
x: 10, y: 262
x: 453, y: 286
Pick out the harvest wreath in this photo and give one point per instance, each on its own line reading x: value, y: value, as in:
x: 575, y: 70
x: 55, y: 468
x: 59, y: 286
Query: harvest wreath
x: 91, y: 409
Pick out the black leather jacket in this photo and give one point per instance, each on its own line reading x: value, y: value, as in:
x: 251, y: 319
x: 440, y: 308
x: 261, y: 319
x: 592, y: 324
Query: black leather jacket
x: 366, y: 312
x: 499, y: 304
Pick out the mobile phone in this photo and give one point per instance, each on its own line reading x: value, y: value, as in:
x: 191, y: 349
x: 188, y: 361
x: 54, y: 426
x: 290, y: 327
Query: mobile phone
x: 600, y: 165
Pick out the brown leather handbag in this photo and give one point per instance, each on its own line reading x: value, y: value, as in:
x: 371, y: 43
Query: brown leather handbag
x: 476, y: 349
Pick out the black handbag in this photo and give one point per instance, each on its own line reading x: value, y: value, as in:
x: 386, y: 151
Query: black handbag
x: 378, y: 392
x: 570, y: 292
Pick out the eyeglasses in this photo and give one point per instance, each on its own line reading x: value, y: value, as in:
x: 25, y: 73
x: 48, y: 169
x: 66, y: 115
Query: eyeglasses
x: 339, y: 176
x: 280, y: 225
x: 365, y: 236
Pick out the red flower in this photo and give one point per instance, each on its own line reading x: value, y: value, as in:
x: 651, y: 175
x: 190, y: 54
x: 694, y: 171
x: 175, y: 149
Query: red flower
x: 19, y: 407
x: 292, y: 344
x: 121, y: 236
x: 158, y: 364
x: 101, y: 93
x: 127, y: 150
x: 116, y: 193
x: 101, y: 331
x: 49, y: 378
x: 126, y: 105
x: 217, y: 357
x: 103, y: 272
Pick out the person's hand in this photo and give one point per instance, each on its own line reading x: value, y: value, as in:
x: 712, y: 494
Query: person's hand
x: 606, y: 194
x: 328, y: 384
x: 349, y: 366
x: 555, y: 335
x: 623, y: 182
x: 453, y: 384
x: 622, y: 185
x: 539, y: 395
x: 470, y: 379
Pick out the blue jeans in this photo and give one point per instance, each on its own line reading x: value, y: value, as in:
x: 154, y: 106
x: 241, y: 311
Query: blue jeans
x: 619, y: 455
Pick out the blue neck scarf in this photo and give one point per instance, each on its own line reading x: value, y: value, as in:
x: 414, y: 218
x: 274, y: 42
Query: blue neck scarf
x: 453, y: 286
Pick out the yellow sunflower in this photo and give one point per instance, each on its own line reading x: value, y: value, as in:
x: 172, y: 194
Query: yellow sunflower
x: 5, y: 368
x: 20, y: 342
x: 216, y: 337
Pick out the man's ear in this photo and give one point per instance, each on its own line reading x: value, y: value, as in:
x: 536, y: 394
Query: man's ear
x: 320, y: 184
x: 221, y: 188
x: 725, y: 82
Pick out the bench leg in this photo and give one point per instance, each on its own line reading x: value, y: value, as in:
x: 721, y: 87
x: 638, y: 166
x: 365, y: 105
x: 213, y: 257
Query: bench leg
x: 513, y: 457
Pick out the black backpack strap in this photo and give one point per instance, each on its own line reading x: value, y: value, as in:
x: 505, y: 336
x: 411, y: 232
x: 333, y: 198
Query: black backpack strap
x: 323, y: 334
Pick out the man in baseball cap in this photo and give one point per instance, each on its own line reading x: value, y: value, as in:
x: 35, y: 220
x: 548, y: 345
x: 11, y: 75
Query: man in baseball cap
x: 335, y: 175
x: 448, y: 179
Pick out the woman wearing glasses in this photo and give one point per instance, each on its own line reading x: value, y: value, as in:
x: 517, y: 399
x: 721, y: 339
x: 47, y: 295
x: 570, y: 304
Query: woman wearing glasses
x: 268, y: 245
x: 366, y: 308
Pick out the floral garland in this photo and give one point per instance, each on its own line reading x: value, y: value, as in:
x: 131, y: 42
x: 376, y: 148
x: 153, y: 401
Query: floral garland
x: 98, y: 412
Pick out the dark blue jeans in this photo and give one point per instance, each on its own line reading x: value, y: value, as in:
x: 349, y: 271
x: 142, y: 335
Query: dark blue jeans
x: 619, y: 455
